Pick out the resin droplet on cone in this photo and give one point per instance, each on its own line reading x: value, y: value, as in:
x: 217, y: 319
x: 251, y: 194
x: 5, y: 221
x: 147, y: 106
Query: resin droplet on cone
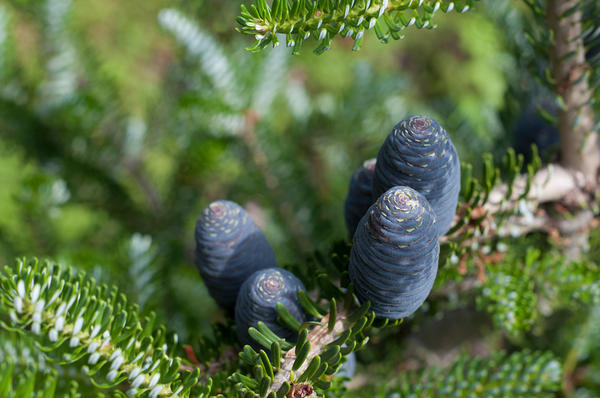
x: 229, y: 248
x: 359, y: 197
x: 394, y: 257
x: 257, y: 302
x: 418, y: 153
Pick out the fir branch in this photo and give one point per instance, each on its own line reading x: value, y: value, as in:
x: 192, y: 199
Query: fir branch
x: 30, y: 366
x: 60, y: 83
x: 492, y: 209
x: 510, y: 299
x: 319, y: 337
x: 325, y: 19
x: 514, y: 210
x: 521, y: 374
x: 591, y: 32
x: 309, y: 366
x: 260, y: 159
x: 142, y: 269
x: 585, y: 342
x: 210, y: 55
x: 133, y: 144
x: 519, y: 200
x: 73, y: 319
x: 24, y: 356
x: 29, y: 382
x: 564, y: 35
x: 528, y: 282
x: 21, y: 351
x: 298, y: 100
x: 272, y: 76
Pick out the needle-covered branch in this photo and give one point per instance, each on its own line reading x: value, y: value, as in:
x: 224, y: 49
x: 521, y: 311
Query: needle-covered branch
x: 325, y: 19
x: 308, y: 366
x: 318, y: 338
x: 75, y: 321
x: 513, y: 208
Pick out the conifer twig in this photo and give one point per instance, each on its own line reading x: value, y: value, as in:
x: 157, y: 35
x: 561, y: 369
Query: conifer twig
x: 552, y: 183
x: 320, y: 336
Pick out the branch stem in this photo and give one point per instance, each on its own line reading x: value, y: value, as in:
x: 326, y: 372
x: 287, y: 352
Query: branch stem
x: 579, y: 144
x: 320, y: 336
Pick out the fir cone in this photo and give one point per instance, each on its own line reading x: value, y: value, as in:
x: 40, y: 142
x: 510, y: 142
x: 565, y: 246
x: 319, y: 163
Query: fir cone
x: 229, y: 248
x: 257, y: 302
x: 359, y: 197
x: 394, y: 257
x: 418, y: 153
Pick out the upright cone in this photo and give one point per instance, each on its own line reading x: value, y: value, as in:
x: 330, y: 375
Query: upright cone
x: 229, y: 248
x: 418, y: 153
x: 394, y: 258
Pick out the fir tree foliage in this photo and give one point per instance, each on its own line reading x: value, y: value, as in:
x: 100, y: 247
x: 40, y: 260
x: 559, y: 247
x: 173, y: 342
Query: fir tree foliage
x: 23, y: 370
x: 74, y: 321
x: 209, y: 54
x: 28, y: 382
x: 520, y: 374
x: 143, y: 269
x: 224, y: 81
x: 60, y: 84
x: 516, y: 284
x: 298, y: 20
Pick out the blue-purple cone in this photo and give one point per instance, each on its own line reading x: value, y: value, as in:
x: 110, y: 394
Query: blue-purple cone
x: 257, y: 302
x: 394, y: 257
x: 229, y: 248
x: 418, y: 153
x: 359, y: 197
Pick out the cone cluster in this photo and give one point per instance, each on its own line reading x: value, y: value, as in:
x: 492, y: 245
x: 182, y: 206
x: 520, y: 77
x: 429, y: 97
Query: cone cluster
x: 240, y: 271
x: 413, y: 192
x: 414, y: 183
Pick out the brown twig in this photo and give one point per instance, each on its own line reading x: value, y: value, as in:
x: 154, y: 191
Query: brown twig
x: 579, y: 144
x: 319, y: 337
x: 552, y: 183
